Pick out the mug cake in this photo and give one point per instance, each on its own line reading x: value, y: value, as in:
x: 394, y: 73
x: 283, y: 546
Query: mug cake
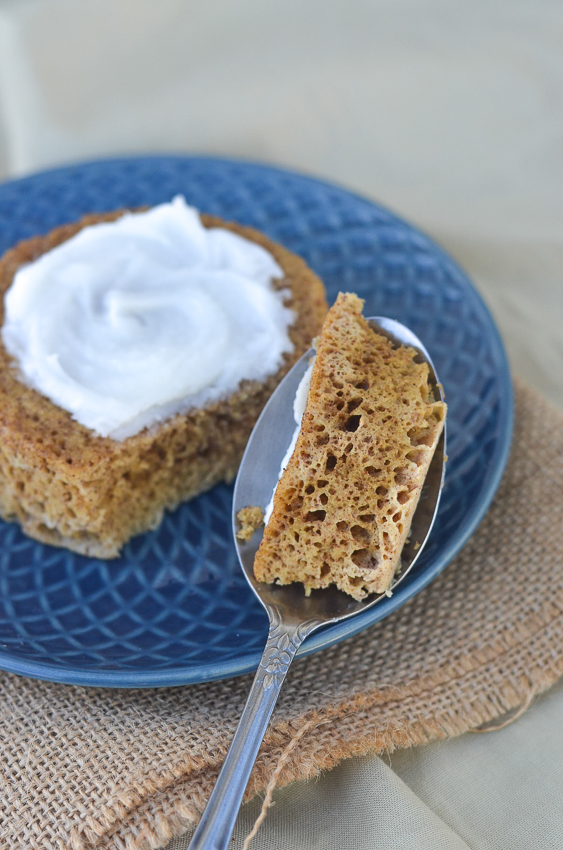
x: 138, y: 349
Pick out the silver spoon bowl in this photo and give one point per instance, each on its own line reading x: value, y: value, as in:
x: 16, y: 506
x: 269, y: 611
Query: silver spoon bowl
x: 293, y: 616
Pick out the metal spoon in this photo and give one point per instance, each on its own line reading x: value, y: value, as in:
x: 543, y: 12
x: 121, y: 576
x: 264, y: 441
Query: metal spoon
x: 294, y: 616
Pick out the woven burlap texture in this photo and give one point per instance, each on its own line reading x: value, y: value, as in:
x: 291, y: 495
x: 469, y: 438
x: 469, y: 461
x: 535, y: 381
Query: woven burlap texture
x: 90, y: 768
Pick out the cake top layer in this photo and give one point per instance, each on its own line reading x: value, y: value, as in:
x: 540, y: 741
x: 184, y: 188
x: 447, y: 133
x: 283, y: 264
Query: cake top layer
x: 132, y: 321
x: 343, y: 507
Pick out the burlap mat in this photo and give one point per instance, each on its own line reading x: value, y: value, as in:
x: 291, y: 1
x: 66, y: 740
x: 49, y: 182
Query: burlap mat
x: 91, y: 768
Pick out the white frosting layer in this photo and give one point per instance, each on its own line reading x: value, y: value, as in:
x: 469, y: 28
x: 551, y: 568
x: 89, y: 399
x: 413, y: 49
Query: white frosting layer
x: 129, y: 322
x: 299, y: 405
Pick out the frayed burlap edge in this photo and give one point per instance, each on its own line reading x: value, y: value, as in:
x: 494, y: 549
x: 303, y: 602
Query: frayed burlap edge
x: 323, y: 739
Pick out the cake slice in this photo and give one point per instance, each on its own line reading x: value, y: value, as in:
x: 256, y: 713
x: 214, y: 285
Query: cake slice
x: 344, y: 504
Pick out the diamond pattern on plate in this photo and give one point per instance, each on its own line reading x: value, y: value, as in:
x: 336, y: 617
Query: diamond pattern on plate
x: 175, y: 606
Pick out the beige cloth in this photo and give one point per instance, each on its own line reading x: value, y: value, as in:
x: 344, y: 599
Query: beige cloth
x: 467, y: 793
x: 91, y: 768
x: 448, y: 113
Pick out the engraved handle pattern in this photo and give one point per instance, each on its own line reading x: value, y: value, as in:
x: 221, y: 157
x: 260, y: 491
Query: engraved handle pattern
x: 217, y: 822
x: 283, y: 643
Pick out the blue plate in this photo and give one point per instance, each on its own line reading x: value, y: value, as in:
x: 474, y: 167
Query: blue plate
x: 175, y: 608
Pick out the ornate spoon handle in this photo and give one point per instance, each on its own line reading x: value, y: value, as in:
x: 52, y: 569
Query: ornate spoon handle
x: 218, y: 820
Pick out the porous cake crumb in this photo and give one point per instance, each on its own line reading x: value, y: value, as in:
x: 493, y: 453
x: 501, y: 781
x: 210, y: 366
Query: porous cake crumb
x: 250, y: 519
x: 344, y: 504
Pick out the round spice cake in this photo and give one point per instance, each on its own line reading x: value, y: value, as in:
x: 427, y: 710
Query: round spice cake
x: 69, y: 486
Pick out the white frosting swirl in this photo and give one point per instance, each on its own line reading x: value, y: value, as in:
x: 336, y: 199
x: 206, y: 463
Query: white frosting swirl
x: 299, y: 405
x: 129, y: 322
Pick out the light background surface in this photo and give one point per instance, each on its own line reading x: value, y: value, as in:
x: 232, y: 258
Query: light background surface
x: 449, y: 113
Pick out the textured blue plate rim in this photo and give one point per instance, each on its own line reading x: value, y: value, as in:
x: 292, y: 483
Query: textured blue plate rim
x: 336, y: 633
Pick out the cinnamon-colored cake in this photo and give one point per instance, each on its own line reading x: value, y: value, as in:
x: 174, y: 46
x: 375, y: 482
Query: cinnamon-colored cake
x: 344, y: 504
x: 69, y: 487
